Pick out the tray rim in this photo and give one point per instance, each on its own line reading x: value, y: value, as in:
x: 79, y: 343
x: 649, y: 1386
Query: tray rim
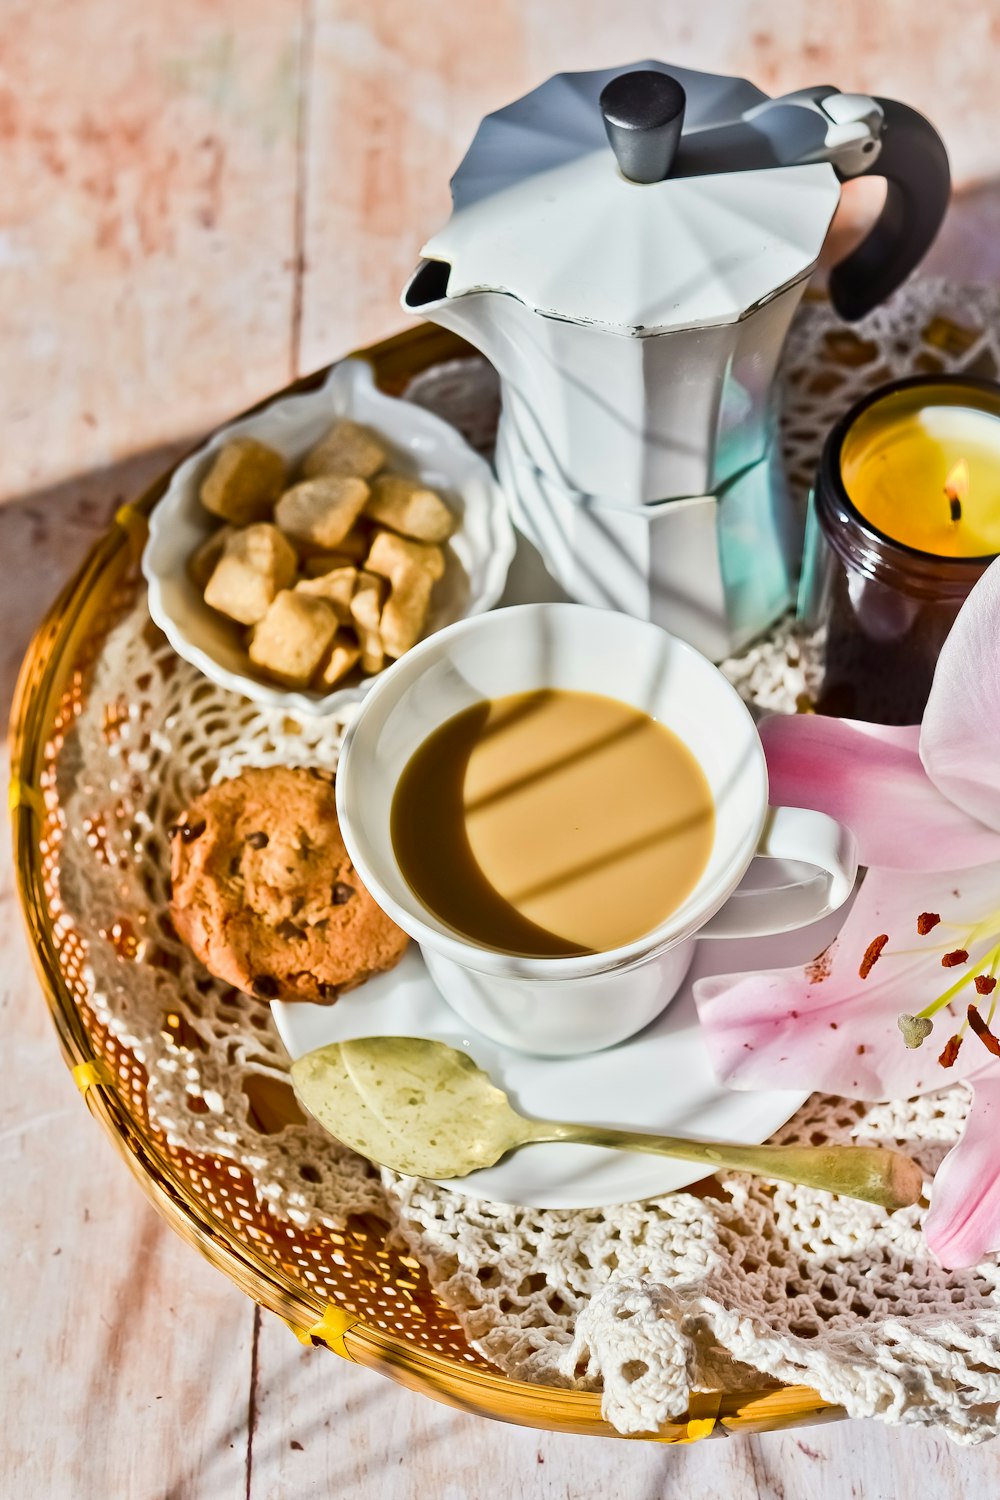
x: 313, y: 1320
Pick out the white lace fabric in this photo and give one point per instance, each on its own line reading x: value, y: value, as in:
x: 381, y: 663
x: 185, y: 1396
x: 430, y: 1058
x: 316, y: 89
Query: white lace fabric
x: 648, y: 1301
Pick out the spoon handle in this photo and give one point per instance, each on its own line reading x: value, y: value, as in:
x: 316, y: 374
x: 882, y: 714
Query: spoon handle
x: 872, y: 1173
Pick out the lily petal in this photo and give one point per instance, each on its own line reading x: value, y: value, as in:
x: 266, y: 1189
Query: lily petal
x: 958, y: 739
x: 964, y: 1220
x: 870, y: 777
x: 824, y: 1027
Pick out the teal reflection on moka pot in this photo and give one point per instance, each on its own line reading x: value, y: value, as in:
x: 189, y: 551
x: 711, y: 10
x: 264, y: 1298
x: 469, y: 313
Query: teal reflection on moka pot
x: 628, y: 247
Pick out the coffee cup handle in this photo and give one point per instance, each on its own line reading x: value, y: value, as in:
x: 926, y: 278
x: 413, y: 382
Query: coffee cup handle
x: 805, y: 837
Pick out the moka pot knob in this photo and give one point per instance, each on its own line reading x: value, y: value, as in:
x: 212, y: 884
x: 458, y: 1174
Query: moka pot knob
x: 643, y: 116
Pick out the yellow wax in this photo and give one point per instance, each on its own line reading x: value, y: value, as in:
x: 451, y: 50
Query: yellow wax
x: 899, y: 463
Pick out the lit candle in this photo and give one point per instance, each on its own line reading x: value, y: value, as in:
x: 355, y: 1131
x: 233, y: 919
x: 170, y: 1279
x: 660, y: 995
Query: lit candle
x: 922, y: 465
x: 904, y: 519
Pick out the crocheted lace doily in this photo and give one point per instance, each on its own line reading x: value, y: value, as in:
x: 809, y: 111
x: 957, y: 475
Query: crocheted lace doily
x: 646, y: 1301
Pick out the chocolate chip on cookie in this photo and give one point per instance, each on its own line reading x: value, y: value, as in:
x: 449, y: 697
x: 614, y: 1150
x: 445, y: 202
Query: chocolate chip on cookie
x: 188, y: 832
x: 265, y: 986
x: 265, y: 894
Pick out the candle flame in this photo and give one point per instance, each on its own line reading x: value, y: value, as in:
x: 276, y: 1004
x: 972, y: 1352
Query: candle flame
x: 956, y: 486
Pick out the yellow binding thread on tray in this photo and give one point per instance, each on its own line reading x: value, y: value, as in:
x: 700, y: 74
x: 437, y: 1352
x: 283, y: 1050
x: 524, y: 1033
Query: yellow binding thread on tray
x: 133, y: 521
x: 87, y: 1075
x: 20, y: 794
x: 704, y: 1413
x: 330, y: 1330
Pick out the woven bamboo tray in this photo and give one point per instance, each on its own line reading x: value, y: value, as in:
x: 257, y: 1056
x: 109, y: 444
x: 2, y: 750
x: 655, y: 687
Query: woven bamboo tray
x: 365, y: 1302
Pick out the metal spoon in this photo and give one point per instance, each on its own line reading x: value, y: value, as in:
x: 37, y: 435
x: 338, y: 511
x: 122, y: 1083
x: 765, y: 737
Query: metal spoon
x: 425, y: 1109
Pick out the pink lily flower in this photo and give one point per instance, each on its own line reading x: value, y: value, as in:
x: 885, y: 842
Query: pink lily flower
x: 920, y: 949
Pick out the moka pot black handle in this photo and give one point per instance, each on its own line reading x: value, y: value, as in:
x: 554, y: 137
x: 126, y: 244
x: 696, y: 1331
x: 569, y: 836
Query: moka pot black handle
x: 914, y: 163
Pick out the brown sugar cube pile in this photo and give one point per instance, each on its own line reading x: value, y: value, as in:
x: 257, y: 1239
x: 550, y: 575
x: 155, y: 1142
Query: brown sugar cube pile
x: 409, y: 507
x: 321, y: 511
x: 348, y: 448
x: 257, y: 562
x: 292, y: 639
x: 332, y: 567
x: 244, y: 481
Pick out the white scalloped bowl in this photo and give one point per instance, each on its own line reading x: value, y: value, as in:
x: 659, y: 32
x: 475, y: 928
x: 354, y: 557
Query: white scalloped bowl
x: 479, y: 553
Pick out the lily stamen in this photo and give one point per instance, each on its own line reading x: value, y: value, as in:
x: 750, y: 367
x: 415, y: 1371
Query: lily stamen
x: 990, y: 980
x: 872, y: 954
x: 983, y: 1032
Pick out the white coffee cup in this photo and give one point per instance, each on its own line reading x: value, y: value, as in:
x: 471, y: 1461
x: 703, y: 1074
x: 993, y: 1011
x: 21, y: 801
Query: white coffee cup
x: 560, y: 1006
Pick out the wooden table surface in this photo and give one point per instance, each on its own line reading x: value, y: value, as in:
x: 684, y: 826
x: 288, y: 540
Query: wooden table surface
x: 200, y: 199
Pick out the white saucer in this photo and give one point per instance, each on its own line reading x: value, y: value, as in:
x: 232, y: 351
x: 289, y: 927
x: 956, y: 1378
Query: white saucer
x: 660, y: 1080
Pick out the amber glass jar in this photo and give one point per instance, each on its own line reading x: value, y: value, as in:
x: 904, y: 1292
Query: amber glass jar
x: 886, y: 607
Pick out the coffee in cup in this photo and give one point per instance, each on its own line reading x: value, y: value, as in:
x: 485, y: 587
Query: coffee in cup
x: 552, y: 822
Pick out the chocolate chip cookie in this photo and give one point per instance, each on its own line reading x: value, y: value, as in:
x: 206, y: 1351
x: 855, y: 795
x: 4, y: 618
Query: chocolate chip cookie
x: 264, y: 892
